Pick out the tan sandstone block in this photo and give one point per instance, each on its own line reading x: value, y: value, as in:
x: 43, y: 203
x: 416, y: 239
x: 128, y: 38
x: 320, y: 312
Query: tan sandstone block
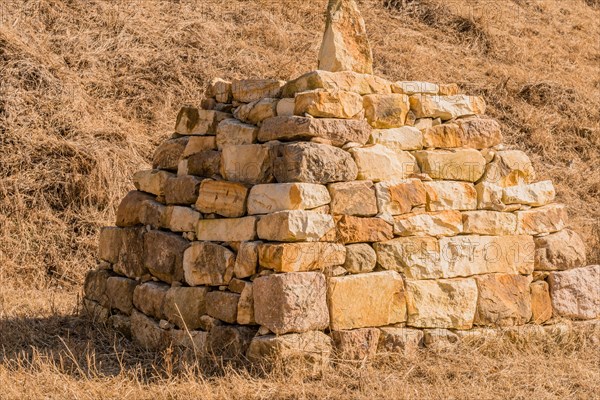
x: 359, y: 230
x: 246, y: 260
x: 489, y: 223
x: 146, y: 332
x: 416, y: 257
x: 449, y: 195
x: 398, y: 139
x: 193, y: 121
x: 324, y: 104
x: 208, y: 264
x: 310, y: 348
x: 438, y: 223
x: 151, y: 181
x: 224, y: 198
x: 541, y: 304
x: 95, y: 287
x: 251, y: 163
x: 222, y: 306
x: 400, y: 196
x: 474, y: 132
x: 489, y: 196
x: 120, y: 293
x: 509, y: 168
x: 415, y: 87
x: 504, y: 300
x: 227, y: 229
x: 345, y: 45
x: 233, y: 132
x: 292, y: 302
x: 343, y: 80
x: 205, y: 163
x: 220, y: 89
x: 385, y: 111
x: 448, y: 303
x: 197, y: 144
x: 360, y: 258
x: 356, y: 344
x: 366, y: 300
x: 245, y: 308
x: 535, y: 194
x: 378, y: 163
x: 249, y: 90
x: 129, y: 243
x: 286, y: 107
x: 168, y: 153
x: 180, y: 219
x: 446, y: 107
x: 149, y: 298
x: 292, y: 257
x: 163, y: 255
x: 338, y: 131
x: 459, y: 165
x: 353, y: 198
x: 400, y: 340
x: 269, y: 198
x: 559, y: 251
x: 257, y: 111
x: 576, y: 293
x: 182, y: 190
x: 184, y: 306
x: 546, y: 219
x: 294, y: 226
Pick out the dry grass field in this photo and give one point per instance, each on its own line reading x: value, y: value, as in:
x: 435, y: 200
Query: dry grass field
x: 88, y: 88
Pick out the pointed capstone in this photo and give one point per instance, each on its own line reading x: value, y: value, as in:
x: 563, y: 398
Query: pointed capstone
x: 345, y: 44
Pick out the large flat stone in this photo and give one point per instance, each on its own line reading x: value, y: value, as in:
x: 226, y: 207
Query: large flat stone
x: 457, y: 165
x: 438, y: 223
x: 257, y: 111
x: 398, y: 139
x: 416, y: 257
x: 509, y: 168
x: 293, y: 257
x: 222, y: 305
x: 270, y: 198
x: 441, y: 303
x: 331, y: 81
x: 400, y: 196
x: 184, y: 306
x: 485, y: 222
x: 180, y: 219
x: 182, y: 190
x: 168, y: 153
x: 163, y: 255
x: 311, y: 349
x: 546, y: 219
x: 476, y: 133
x: 385, y: 111
x: 251, y: 163
x: 249, y: 90
x: 446, y: 107
x: 194, y: 121
x: 366, y: 300
x: 559, y: 251
x: 292, y: 302
x: 450, y: 195
x: 208, y: 264
x: 324, y: 104
x: 149, y: 298
x: 504, y: 300
x: 205, y: 164
x: 151, y: 181
x: 338, y: 131
x: 227, y: 229
x: 224, y: 198
x: 535, y: 194
x: 378, y: 163
x: 234, y: 132
x: 294, y: 226
x: 353, y: 198
x: 197, y: 144
x: 576, y: 293
x: 361, y: 230
x: 314, y: 163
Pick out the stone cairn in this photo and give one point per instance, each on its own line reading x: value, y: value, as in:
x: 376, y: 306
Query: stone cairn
x: 336, y: 213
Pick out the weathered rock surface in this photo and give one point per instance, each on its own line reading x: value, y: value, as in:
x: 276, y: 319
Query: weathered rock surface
x: 197, y: 144
x: 229, y: 342
x: 360, y: 230
x: 146, y: 332
x: 484, y: 222
x: 356, y: 344
x: 576, y: 293
x: 339, y: 131
x: 378, y: 163
x: 366, y: 300
x: 219, y: 89
x: 446, y: 107
x: 270, y: 198
x: 324, y: 104
x: 509, y: 168
x: 438, y: 223
x: 546, y: 219
x: 257, y: 111
x: 119, y: 291
x: 310, y: 348
x: 193, y: 121
x: 180, y: 219
x: 151, y: 181
x: 476, y: 133
x: 292, y: 302
x: 208, y: 264
x: 504, y: 300
x: 233, y: 132
x: 360, y: 258
x: 167, y: 155
x: 249, y: 90
x: 182, y: 190
x: 295, y: 257
x: 205, y: 164
x: 334, y: 81
x: 385, y: 111
x: 541, y: 304
x: 251, y: 163
x: 400, y: 196
x: 442, y: 303
x: 353, y: 198
x: 246, y: 260
x: 398, y: 139
x: 245, y: 308
x: 227, y: 199
x: 163, y: 255
x: 448, y: 195
x: 314, y: 163
x: 222, y: 306
x: 124, y: 248
x: 184, y: 306
x: 559, y: 251
x: 458, y: 165
x: 149, y: 298
x: 227, y: 229
x: 535, y: 194
x: 345, y: 45
x: 294, y: 226
x: 400, y: 340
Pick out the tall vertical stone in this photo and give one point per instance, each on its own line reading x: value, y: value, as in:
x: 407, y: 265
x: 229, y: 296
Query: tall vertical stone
x: 345, y: 44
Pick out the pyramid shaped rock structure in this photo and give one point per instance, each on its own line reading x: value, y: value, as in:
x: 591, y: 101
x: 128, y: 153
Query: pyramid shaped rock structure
x: 336, y: 212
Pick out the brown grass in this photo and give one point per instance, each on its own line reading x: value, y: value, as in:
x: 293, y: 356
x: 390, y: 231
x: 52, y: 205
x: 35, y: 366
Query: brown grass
x: 88, y: 88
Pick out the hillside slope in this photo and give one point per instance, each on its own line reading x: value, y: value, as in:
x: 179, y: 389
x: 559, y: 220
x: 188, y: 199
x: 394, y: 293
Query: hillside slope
x: 89, y: 87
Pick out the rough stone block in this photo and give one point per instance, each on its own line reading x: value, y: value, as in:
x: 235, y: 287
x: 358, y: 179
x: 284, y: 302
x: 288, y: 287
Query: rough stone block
x: 270, y: 198
x: 438, y: 223
x: 559, y: 251
x: 120, y: 293
x: 360, y: 230
x: 294, y: 226
x: 257, y: 111
x: 384, y: 111
x: 324, y: 104
x: 343, y: 80
x: 149, y: 298
x: 208, y: 264
x: 249, y: 90
x: 455, y: 165
x: 245, y: 308
x: 129, y: 210
x: 182, y: 190
x: 379, y: 163
x: 292, y: 302
x: 415, y: 87
x: 233, y: 132
x: 489, y: 223
x: 230, y: 342
x: 504, y: 300
x: 250, y: 163
x: 446, y: 107
x: 535, y: 194
x: 353, y: 198
x: 338, y: 131
x: 151, y: 181
x: 193, y: 121
x: 227, y: 199
x: 314, y: 163
x: 146, y: 332
x: 198, y: 144
x: 356, y: 344
x: 191, y: 340
x: 541, y: 303
x: 185, y: 306
x: 398, y: 139
x: 444, y: 303
x: 227, y: 229
x: 400, y: 196
x: 222, y: 306
x: 168, y: 154
x: 205, y: 163
x: 163, y: 255
x: 449, y: 195
x: 509, y: 168
x: 220, y: 89
x: 94, y: 287
x: 310, y: 348
x: 400, y: 340
x: 576, y: 293
x: 180, y: 219
x: 366, y: 300
x: 296, y: 257
x: 546, y: 219
x: 360, y: 258
x: 476, y: 133
x: 246, y: 260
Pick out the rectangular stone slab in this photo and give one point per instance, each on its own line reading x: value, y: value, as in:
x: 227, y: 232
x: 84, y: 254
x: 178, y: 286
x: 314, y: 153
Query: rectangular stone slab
x: 292, y: 257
